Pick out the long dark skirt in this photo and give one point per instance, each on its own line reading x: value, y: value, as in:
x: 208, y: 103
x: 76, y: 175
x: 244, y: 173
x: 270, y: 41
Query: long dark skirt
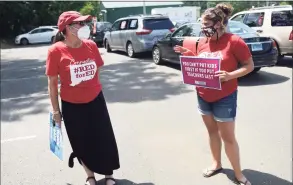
x: 91, y: 135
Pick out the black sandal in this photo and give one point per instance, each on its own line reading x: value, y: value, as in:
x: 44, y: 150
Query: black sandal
x: 90, y: 178
x: 110, y: 178
x: 210, y: 173
x: 241, y: 182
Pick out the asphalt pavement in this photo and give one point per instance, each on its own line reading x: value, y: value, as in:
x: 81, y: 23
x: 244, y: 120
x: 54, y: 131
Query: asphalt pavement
x: 160, y: 135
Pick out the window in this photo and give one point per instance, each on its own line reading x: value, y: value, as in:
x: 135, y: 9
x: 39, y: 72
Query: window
x: 188, y: 30
x: 103, y: 25
x: 157, y: 24
x: 108, y: 25
x: 133, y: 24
x: 239, y: 17
x: 36, y: 31
x: 45, y: 30
x: 282, y: 18
x: 123, y: 25
x: 180, y: 32
x: 115, y: 26
x: 255, y: 19
x: 239, y: 28
x: 195, y: 31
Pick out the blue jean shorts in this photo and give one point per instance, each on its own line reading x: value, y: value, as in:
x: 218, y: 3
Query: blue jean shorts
x: 223, y: 110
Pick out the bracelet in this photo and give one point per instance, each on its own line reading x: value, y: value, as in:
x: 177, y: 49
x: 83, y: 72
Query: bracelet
x: 56, y: 112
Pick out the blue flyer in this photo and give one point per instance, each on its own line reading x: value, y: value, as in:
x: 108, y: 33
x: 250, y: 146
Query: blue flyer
x: 56, y: 139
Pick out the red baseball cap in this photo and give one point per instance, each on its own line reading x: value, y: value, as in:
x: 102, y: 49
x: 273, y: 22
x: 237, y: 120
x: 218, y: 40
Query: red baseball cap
x: 71, y: 16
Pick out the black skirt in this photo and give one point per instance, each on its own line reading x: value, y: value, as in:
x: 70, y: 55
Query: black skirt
x: 91, y: 135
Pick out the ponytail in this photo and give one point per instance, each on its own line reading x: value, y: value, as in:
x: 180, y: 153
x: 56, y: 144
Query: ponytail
x: 59, y: 36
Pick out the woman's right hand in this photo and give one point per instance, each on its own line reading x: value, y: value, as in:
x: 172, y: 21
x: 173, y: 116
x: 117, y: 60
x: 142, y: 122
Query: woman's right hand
x: 180, y: 49
x: 57, y: 118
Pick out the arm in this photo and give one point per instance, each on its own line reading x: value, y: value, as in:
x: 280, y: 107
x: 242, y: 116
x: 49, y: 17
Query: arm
x: 246, y: 67
x: 183, y: 51
x: 98, y: 58
x: 243, y: 55
x: 52, y: 71
x: 53, y: 93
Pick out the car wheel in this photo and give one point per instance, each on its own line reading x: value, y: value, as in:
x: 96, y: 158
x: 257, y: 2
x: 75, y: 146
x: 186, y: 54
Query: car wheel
x: 52, y: 39
x: 24, y: 41
x: 100, y: 44
x: 256, y: 70
x: 108, y: 48
x: 157, y: 55
x: 130, y: 50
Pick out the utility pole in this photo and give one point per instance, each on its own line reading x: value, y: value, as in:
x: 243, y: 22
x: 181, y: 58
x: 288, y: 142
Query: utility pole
x: 144, y: 8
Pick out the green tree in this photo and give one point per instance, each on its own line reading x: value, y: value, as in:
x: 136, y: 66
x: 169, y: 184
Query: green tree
x: 21, y: 16
x: 91, y: 8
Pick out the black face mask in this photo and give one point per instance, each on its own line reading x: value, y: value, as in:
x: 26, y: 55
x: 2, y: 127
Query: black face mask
x: 209, y: 31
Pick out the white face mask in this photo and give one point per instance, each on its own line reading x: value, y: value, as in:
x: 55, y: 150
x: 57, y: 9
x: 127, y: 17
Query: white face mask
x: 83, y: 32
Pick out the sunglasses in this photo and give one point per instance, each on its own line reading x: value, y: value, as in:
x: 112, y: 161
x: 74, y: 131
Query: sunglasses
x: 81, y: 23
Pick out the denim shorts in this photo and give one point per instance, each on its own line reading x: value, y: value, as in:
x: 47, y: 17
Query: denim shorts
x: 223, y: 110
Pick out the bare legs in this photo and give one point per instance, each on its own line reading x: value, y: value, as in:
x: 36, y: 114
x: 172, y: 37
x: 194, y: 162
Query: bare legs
x: 93, y: 181
x: 214, y: 141
x: 224, y: 131
x: 89, y: 174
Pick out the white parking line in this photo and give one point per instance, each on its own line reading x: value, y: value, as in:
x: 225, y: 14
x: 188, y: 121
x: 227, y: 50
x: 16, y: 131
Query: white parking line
x: 17, y: 139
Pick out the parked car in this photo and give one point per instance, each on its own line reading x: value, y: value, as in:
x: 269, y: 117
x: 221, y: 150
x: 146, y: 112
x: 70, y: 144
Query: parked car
x: 99, y: 30
x: 264, y: 49
x: 42, y: 34
x: 178, y: 23
x: 137, y: 34
x: 274, y: 21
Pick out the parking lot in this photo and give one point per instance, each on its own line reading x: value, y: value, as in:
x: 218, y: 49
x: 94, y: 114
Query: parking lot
x: 160, y: 135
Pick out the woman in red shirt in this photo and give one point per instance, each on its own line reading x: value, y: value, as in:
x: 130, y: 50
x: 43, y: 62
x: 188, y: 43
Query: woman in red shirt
x: 218, y: 107
x: 76, y: 62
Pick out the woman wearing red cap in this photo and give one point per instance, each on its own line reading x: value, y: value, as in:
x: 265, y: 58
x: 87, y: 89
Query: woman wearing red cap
x: 76, y: 62
x: 218, y: 107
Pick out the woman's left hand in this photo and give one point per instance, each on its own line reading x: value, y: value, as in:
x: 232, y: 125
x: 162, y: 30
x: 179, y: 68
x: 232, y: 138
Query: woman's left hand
x: 223, y: 75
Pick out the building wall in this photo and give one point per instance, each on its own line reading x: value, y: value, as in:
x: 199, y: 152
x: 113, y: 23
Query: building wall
x: 114, y: 14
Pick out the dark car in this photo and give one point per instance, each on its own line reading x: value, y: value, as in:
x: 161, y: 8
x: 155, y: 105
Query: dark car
x: 263, y: 49
x: 99, y: 30
x: 179, y: 23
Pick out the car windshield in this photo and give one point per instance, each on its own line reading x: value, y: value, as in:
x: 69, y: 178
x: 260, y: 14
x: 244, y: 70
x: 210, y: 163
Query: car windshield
x: 103, y: 25
x: 239, y: 28
x: 157, y: 24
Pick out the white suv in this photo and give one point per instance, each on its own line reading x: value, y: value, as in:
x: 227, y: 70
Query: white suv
x: 274, y: 21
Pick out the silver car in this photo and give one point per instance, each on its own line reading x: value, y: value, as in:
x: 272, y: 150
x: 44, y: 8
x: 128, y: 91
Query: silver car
x: 137, y: 34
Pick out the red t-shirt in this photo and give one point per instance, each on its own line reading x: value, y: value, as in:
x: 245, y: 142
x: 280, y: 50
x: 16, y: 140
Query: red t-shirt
x: 231, y: 49
x: 77, y: 69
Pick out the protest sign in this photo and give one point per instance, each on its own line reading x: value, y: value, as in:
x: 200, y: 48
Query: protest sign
x: 200, y: 71
x: 55, y: 138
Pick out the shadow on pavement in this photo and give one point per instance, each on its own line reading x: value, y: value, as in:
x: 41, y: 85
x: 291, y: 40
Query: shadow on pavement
x: 258, y: 178
x: 136, y: 81
x: 285, y: 62
x: 144, y: 55
x: 262, y: 78
x: 120, y: 182
x: 123, y: 182
x: 19, y: 80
